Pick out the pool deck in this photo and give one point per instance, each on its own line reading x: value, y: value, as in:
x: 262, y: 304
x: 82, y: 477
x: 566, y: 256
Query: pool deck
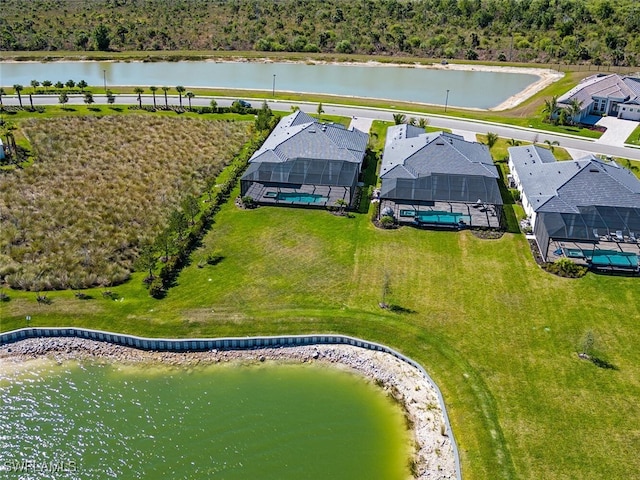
x: 568, y: 249
x: 262, y: 194
x: 485, y: 216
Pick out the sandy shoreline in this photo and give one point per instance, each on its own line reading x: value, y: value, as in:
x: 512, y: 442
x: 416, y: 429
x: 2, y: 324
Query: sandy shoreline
x: 433, y: 455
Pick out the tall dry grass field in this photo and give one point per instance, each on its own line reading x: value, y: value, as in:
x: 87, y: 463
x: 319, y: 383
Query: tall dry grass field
x: 98, y: 188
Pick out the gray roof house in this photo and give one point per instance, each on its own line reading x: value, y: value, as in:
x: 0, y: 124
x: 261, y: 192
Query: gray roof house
x: 305, y: 162
x: 586, y: 209
x: 438, y: 179
x: 602, y: 94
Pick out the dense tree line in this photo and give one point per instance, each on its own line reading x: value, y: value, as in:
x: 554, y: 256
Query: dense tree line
x: 570, y: 31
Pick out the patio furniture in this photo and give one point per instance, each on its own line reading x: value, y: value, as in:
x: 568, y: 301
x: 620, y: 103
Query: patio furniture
x: 619, y: 236
x: 632, y: 237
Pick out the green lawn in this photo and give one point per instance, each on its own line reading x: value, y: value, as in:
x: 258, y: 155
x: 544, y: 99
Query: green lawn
x: 498, y: 334
x: 634, y: 138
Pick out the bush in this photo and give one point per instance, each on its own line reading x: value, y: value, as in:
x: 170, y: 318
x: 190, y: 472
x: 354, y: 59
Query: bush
x: 515, y: 193
x: 566, y: 268
x: 387, y: 221
x: 156, y: 289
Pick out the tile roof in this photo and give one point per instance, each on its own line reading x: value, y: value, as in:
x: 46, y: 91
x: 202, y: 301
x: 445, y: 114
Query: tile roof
x: 614, y: 86
x: 437, y: 152
x: 301, y: 136
x: 562, y: 187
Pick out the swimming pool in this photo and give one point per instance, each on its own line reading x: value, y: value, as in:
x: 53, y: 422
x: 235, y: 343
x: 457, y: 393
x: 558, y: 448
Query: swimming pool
x: 441, y: 217
x: 295, y: 197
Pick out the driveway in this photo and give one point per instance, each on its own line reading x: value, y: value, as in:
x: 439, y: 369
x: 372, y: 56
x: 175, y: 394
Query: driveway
x: 361, y: 123
x: 618, y: 130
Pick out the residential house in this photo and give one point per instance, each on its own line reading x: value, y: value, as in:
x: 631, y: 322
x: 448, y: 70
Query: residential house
x: 586, y: 209
x: 438, y: 179
x: 306, y: 162
x: 601, y: 94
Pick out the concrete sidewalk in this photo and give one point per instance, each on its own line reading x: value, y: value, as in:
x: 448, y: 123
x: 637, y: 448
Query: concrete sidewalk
x: 362, y: 124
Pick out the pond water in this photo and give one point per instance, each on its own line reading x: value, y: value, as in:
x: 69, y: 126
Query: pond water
x: 97, y: 421
x: 472, y: 89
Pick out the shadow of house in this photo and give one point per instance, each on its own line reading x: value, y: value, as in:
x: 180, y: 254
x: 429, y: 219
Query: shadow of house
x: 306, y: 163
x: 587, y: 210
x: 439, y: 180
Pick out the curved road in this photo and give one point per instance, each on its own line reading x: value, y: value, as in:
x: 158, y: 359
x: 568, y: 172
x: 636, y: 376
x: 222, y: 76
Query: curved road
x: 476, y: 126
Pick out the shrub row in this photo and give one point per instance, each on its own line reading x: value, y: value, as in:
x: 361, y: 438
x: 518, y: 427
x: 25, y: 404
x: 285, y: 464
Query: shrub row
x: 192, y: 239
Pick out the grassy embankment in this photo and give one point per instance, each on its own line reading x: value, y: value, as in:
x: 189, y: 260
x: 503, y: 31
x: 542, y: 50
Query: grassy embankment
x: 498, y: 334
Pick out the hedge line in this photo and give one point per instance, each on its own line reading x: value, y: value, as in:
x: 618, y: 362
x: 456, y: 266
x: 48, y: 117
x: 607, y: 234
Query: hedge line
x: 192, y: 239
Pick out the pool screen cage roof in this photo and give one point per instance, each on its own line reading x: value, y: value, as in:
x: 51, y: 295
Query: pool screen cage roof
x: 304, y: 171
x: 444, y: 188
x: 591, y: 222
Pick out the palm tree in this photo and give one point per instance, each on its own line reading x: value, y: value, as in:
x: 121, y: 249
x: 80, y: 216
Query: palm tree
x: 189, y: 95
x: 512, y: 142
x: 341, y: 203
x: 575, y: 108
x: 166, y: 102
x: 18, y: 88
x: 399, y: 118
x: 320, y: 110
x: 423, y: 123
x: 31, y: 102
x: 551, y: 144
x: 153, y: 91
x: 180, y: 90
x: 139, y: 91
x: 2, y: 92
x: 492, y: 138
x: 412, y: 121
x: 550, y: 107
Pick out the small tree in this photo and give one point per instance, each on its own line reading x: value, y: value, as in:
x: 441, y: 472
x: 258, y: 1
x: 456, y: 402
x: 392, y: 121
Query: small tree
x: 342, y: 204
x: 59, y: 85
x: 18, y: 88
x: 138, y: 91
x: 178, y: 223
x: 63, y: 98
x: 587, y: 343
x: 191, y: 207
x: 82, y: 85
x: 180, y: 90
x: 46, y: 84
x: 320, y: 110
x: 399, y: 118
x: 101, y: 37
x: 166, y: 101
x: 88, y: 98
x: 552, y: 144
x: 214, y: 105
x: 70, y: 83
x: 189, y: 96
x: 35, y: 84
x: 110, y: 97
x: 153, y: 91
x: 147, y: 260
x: 263, y: 119
x: 492, y: 138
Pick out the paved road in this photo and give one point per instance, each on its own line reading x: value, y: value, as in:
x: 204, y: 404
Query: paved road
x: 506, y: 131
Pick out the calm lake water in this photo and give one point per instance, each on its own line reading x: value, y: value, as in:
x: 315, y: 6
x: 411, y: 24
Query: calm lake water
x: 232, y: 422
x: 466, y: 88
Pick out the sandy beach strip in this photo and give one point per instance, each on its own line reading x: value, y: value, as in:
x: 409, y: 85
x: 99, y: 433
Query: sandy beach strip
x: 433, y: 456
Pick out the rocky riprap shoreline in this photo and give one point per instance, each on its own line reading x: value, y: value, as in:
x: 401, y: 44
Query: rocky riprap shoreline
x: 433, y: 456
